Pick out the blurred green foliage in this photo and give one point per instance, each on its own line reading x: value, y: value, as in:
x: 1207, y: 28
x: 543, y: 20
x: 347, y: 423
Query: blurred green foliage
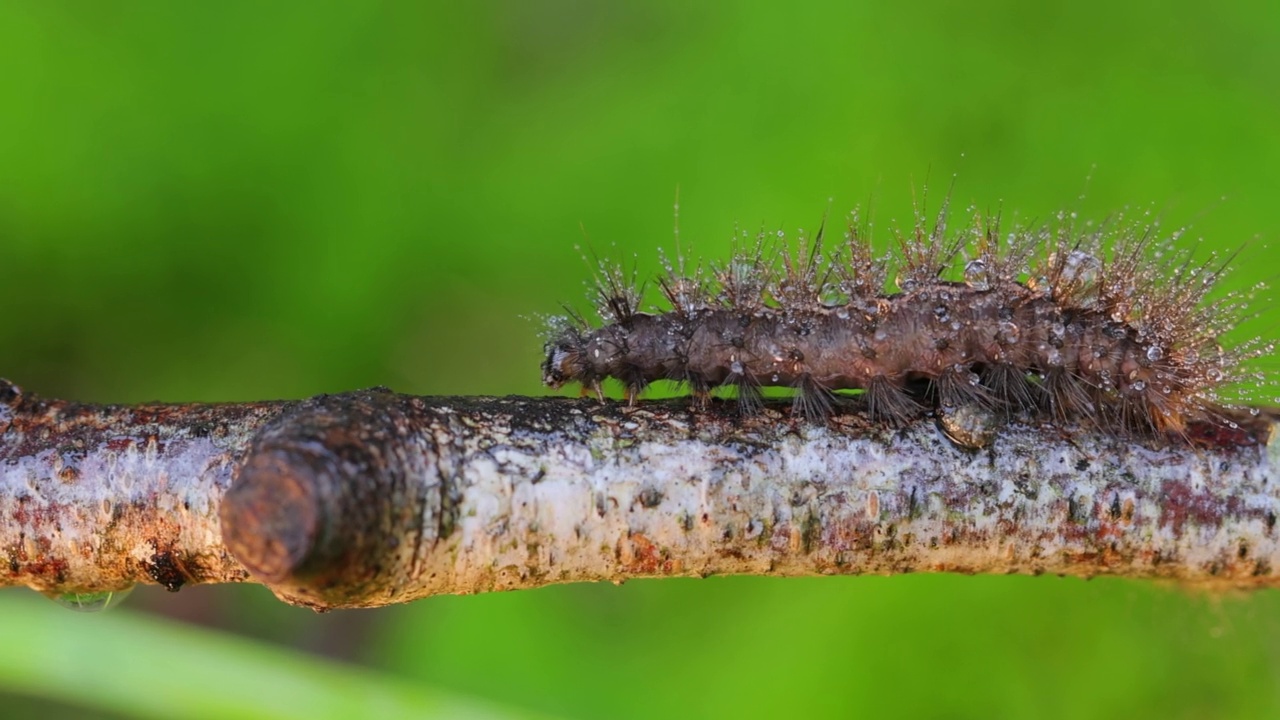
x: 141, y: 667
x: 251, y: 200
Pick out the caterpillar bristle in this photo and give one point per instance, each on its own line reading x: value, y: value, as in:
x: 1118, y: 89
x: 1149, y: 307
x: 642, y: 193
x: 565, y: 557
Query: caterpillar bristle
x: 1010, y: 389
x: 633, y: 381
x: 745, y: 279
x: 700, y: 398
x: 862, y: 274
x: 686, y: 293
x: 1108, y: 325
x: 959, y: 385
x: 927, y: 254
x: 1068, y: 397
x: 890, y: 404
x: 699, y: 390
x: 746, y: 390
x: 616, y: 292
x: 812, y: 401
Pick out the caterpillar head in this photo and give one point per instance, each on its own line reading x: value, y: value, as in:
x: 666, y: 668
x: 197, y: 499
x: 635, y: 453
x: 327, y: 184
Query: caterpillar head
x: 564, y: 360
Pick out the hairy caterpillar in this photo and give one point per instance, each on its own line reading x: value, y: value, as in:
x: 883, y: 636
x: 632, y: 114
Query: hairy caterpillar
x: 1109, y: 325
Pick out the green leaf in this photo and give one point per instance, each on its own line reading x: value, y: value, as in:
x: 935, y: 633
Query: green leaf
x: 145, y: 667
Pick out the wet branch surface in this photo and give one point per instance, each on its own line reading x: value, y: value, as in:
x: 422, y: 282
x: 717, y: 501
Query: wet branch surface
x: 370, y: 498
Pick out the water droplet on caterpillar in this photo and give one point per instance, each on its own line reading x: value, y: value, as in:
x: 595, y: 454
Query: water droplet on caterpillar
x: 1155, y: 353
x: 89, y: 601
x: 833, y: 295
x: 1008, y: 333
x: 1080, y: 268
x: 975, y: 275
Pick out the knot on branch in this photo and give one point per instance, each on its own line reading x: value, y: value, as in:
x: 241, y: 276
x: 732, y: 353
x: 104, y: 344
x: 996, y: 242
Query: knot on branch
x: 329, y: 508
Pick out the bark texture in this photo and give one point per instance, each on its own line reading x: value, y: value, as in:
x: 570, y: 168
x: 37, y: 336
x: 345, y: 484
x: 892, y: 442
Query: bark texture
x: 371, y: 498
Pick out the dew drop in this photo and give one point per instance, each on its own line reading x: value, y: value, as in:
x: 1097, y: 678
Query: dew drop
x: 1155, y: 353
x: 90, y: 601
x: 1080, y: 268
x: 975, y: 275
x: 1138, y: 386
x: 833, y: 296
x: 1008, y: 333
x: 736, y: 367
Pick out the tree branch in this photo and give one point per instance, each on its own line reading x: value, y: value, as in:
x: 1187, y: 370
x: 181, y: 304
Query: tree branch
x: 371, y: 498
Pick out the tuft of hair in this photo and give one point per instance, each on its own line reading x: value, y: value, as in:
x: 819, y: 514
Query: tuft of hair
x: 891, y: 404
x: 812, y: 401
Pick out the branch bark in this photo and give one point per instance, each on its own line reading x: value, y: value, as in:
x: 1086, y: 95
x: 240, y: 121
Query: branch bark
x: 370, y: 498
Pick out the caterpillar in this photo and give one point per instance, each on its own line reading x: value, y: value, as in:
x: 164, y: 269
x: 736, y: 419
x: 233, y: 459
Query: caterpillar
x: 1109, y: 324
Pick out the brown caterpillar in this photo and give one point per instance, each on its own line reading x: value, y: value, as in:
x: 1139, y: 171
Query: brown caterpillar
x: 1043, y: 322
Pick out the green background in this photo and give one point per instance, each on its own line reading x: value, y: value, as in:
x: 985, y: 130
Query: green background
x: 227, y: 201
